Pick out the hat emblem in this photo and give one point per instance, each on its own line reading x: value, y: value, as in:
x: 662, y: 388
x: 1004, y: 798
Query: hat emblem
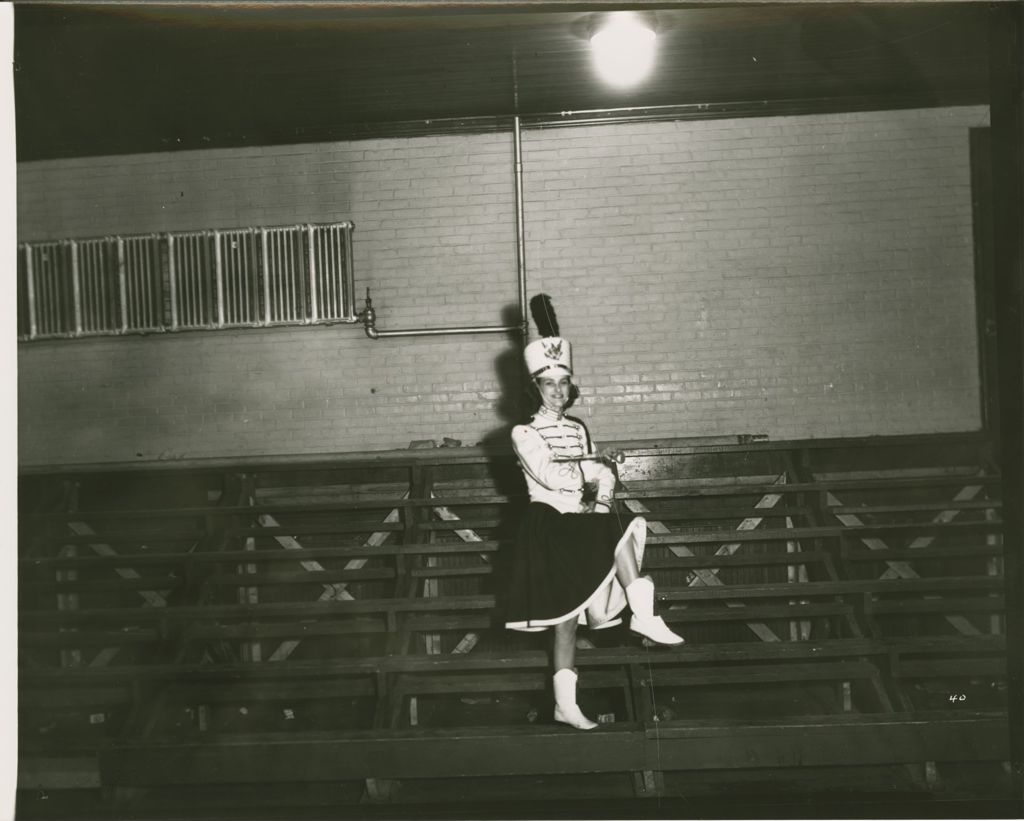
x: 553, y: 349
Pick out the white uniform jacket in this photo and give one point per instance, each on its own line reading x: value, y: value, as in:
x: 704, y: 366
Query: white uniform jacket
x: 550, y: 436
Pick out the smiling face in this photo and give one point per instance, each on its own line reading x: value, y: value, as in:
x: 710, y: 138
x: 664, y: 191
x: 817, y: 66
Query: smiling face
x: 554, y: 391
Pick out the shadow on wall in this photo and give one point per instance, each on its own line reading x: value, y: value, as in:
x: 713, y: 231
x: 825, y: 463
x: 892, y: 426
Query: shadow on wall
x: 511, y: 409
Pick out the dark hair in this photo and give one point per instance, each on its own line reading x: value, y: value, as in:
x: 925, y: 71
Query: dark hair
x: 533, y: 401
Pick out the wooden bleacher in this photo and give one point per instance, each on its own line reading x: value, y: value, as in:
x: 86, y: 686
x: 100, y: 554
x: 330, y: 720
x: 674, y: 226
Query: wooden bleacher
x: 334, y: 620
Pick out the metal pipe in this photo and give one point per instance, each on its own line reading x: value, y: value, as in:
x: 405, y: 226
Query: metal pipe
x: 373, y: 333
x: 618, y: 458
x: 517, y: 149
x: 172, y: 280
x: 267, y: 268
x: 314, y: 306
x: 30, y: 292
x: 76, y: 286
x: 218, y: 275
x: 122, y: 284
x: 368, y: 315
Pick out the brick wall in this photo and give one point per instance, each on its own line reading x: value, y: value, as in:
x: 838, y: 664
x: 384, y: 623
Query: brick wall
x: 800, y: 277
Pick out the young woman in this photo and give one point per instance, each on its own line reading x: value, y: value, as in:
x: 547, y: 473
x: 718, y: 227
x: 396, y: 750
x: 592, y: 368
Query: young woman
x: 574, y: 563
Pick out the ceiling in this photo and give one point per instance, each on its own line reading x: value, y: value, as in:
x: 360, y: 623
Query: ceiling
x: 122, y: 78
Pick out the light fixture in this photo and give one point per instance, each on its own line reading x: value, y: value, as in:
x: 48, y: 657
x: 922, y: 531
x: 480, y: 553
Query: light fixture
x: 623, y: 48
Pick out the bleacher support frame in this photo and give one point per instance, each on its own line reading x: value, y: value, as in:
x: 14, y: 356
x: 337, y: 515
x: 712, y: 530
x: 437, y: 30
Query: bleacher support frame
x: 173, y: 616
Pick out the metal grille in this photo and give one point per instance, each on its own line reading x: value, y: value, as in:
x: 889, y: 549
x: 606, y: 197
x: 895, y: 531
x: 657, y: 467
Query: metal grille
x: 199, y: 280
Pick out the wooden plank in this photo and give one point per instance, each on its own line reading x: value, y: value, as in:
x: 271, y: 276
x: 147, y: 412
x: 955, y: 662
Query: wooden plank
x: 243, y: 691
x: 924, y: 553
x: 87, y: 638
x: 74, y: 697
x: 383, y: 754
x: 133, y: 538
x: 432, y: 571
x: 484, y: 455
x: 698, y: 488
x: 860, y: 530
x: 322, y: 575
x: 988, y: 504
x: 231, y: 556
x: 693, y: 655
x: 164, y: 583
x: 683, y: 562
x: 277, y: 529
x: 427, y: 624
x: 837, y: 588
x: 959, y: 605
x: 780, y: 611
x: 58, y: 772
x: 764, y: 673
x: 836, y: 740
x: 295, y: 630
x: 951, y: 668
x: 446, y: 682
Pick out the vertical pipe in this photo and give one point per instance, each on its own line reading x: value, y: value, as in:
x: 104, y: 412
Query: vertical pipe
x: 132, y: 282
x: 279, y: 274
x: 76, y: 288
x: 122, y: 284
x: 293, y: 275
x: 131, y: 272
x: 30, y: 292
x: 172, y: 282
x: 186, y: 280
x: 517, y: 139
x: 238, y: 277
x: 323, y: 252
x: 314, y: 308
x: 282, y: 277
x: 145, y: 252
x: 333, y: 248
x: 248, y: 273
x: 227, y: 262
x: 350, y: 285
x: 195, y: 296
x: 183, y: 280
x: 45, y: 303
x: 266, y: 277
x: 86, y: 265
x: 218, y: 273
x: 200, y: 297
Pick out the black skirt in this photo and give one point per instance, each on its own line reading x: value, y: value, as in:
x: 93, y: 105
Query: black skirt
x: 560, y: 561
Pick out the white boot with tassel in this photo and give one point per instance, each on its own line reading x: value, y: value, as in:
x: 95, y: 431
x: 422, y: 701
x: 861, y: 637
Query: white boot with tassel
x: 566, y: 709
x: 640, y: 595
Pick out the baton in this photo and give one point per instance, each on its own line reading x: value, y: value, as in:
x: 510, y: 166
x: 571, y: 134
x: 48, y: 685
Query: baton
x: 619, y: 458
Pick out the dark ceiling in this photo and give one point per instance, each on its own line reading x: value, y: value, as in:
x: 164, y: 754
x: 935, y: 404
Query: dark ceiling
x: 120, y: 78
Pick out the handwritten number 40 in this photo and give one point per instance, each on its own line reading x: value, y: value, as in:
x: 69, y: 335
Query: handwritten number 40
x: 955, y: 697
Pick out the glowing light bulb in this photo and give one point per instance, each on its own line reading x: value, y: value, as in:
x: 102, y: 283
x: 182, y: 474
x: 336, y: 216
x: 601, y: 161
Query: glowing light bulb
x: 623, y: 50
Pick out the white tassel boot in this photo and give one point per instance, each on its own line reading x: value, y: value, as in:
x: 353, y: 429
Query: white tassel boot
x: 640, y: 595
x: 566, y: 710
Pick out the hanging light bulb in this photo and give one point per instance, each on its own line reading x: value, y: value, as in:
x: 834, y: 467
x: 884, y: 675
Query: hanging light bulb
x: 623, y: 49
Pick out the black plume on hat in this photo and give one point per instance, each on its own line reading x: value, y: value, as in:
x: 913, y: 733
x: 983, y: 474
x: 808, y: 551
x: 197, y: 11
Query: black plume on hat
x: 543, y: 313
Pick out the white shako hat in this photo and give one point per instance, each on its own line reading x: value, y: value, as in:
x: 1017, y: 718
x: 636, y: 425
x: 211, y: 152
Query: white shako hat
x: 551, y: 355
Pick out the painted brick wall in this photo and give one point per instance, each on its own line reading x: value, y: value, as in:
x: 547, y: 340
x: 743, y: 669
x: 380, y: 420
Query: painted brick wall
x: 800, y: 277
